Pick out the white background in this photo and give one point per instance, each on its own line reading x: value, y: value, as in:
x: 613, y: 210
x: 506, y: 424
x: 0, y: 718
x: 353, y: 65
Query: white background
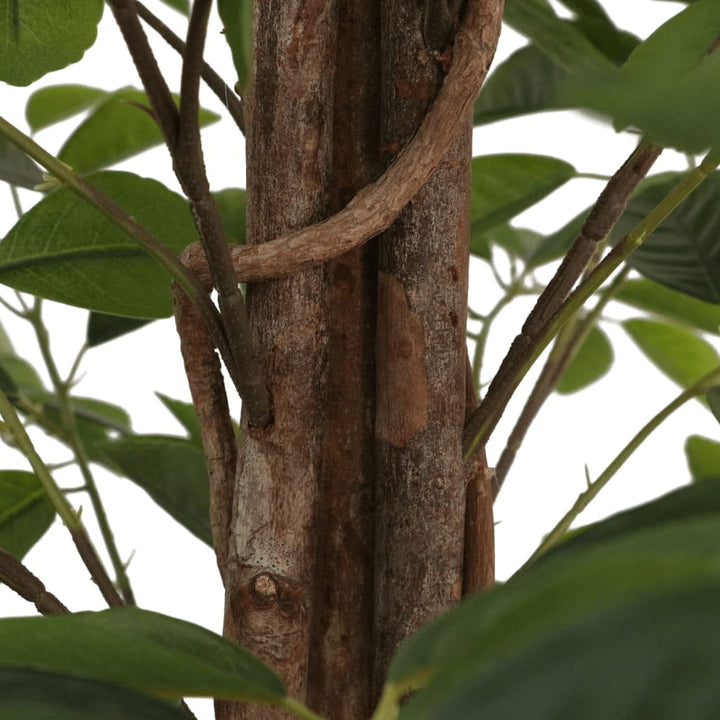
x: 174, y: 573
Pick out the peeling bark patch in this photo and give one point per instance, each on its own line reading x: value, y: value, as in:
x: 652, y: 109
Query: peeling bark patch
x: 402, y: 385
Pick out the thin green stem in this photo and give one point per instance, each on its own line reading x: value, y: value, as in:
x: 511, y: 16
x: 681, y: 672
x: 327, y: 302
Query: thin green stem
x: 585, y: 498
x: 16, y: 200
x: 296, y: 708
x: 62, y: 387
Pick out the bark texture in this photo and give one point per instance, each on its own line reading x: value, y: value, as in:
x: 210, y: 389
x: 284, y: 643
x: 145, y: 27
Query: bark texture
x: 339, y: 684
x: 421, y: 356
x: 273, y: 545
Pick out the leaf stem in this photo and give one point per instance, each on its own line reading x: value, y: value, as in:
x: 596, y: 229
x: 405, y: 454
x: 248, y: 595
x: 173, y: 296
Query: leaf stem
x: 296, y: 708
x: 585, y: 498
x: 34, y: 317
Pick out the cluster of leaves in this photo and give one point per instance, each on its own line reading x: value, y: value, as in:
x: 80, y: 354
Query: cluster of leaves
x: 627, y: 603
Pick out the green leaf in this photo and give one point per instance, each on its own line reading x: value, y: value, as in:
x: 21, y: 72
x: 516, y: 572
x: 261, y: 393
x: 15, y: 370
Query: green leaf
x: 519, y: 242
x: 684, y: 252
x: 591, y: 361
x: 21, y: 377
x: 486, y: 629
x: 50, y: 105
x: 36, y: 695
x: 38, y: 37
x: 102, y: 328
x: 172, y: 471
x: 140, y: 650
x: 559, y: 39
x: 661, y: 300
x: 656, y: 659
x: 703, y: 456
x: 674, y: 62
x: 64, y: 249
x: 25, y: 511
x: 16, y: 167
x: 120, y: 126
x: 713, y: 399
x: 232, y: 206
x: 182, y: 6
x: 677, y: 352
x: 527, y: 82
x: 185, y: 414
x: 237, y: 16
x: 685, y: 503
x: 557, y: 244
x: 505, y: 185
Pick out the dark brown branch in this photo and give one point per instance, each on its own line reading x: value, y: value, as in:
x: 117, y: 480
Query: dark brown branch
x: 167, y: 115
x: 97, y: 570
x: 602, y: 217
x: 223, y: 92
x: 18, y: 578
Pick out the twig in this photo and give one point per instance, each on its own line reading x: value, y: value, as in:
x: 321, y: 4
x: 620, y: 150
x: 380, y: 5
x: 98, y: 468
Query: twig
x: 552, y: 538
x: 224, y: 93
x: 567, y: 343
x: 70, y: 518
x: 18, y: 578
x: 607, y: 210
x: 34, y: 317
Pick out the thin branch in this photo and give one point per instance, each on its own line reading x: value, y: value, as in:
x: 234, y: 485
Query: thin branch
x: 602, y: 217
x: 567, y: 343
x: 18, y: 578
x: 168, y: 118
x: 223, y: 92
x: 70, y: 518
x: 553, y: 537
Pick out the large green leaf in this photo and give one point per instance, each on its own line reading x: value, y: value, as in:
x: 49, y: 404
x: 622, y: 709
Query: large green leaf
x: 25, y: 511
x: 64, y: 249
x: 661, y: 300
x: 591, y: 361
x: 55, y: 103
x: 679, y: 353
x: 486, y: 629
x: 559, y: 39
x: 658, y: 658
x: 185, y: 414
x: 674, y: 62
x: 684, y: 252
x: 505, y: 185
x: 36, y: 695
x: 16, y: 167
x: 119, y: 127
x: 172, y: 471
x: 527, y: 82
x: 237, y: 17
x: 703, y: 456
x: 102, y: 328
x: 38, y: 37
x: 140, y: 650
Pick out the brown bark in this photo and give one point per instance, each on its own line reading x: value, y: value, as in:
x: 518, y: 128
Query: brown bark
x: 341, y: 643
x: 421, y: 354
x: 272, y: 547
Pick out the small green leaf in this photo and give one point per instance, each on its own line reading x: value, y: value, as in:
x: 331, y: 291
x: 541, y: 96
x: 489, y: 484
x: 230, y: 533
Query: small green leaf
x: 591, y: 361
x: 232, y: 206
x: 674, y: 62
x: 505, y: 185
x: 703, y: 456
x: 182, y: 6
x: 22, y: 376
x: 36, y: 695
x: 120, y: 126
x: 713, y: 399
x: 657, y: 658
x: 679, y: 307
x: 50, y: 105
x: 38, y: 37
x: 64, y: 249
x: 102, y: 328
x: 684, y: 252
x: 527, y: 82
x: 185, y: 414
x: 677, y: 352
x: 489, y: 628
x: 519, y: 242
x: 237, y: 16
x: 557, y: 244
x: 139, y: 650
x: 16, y: 167
x: 25, y: 512
x: 172, y: 471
